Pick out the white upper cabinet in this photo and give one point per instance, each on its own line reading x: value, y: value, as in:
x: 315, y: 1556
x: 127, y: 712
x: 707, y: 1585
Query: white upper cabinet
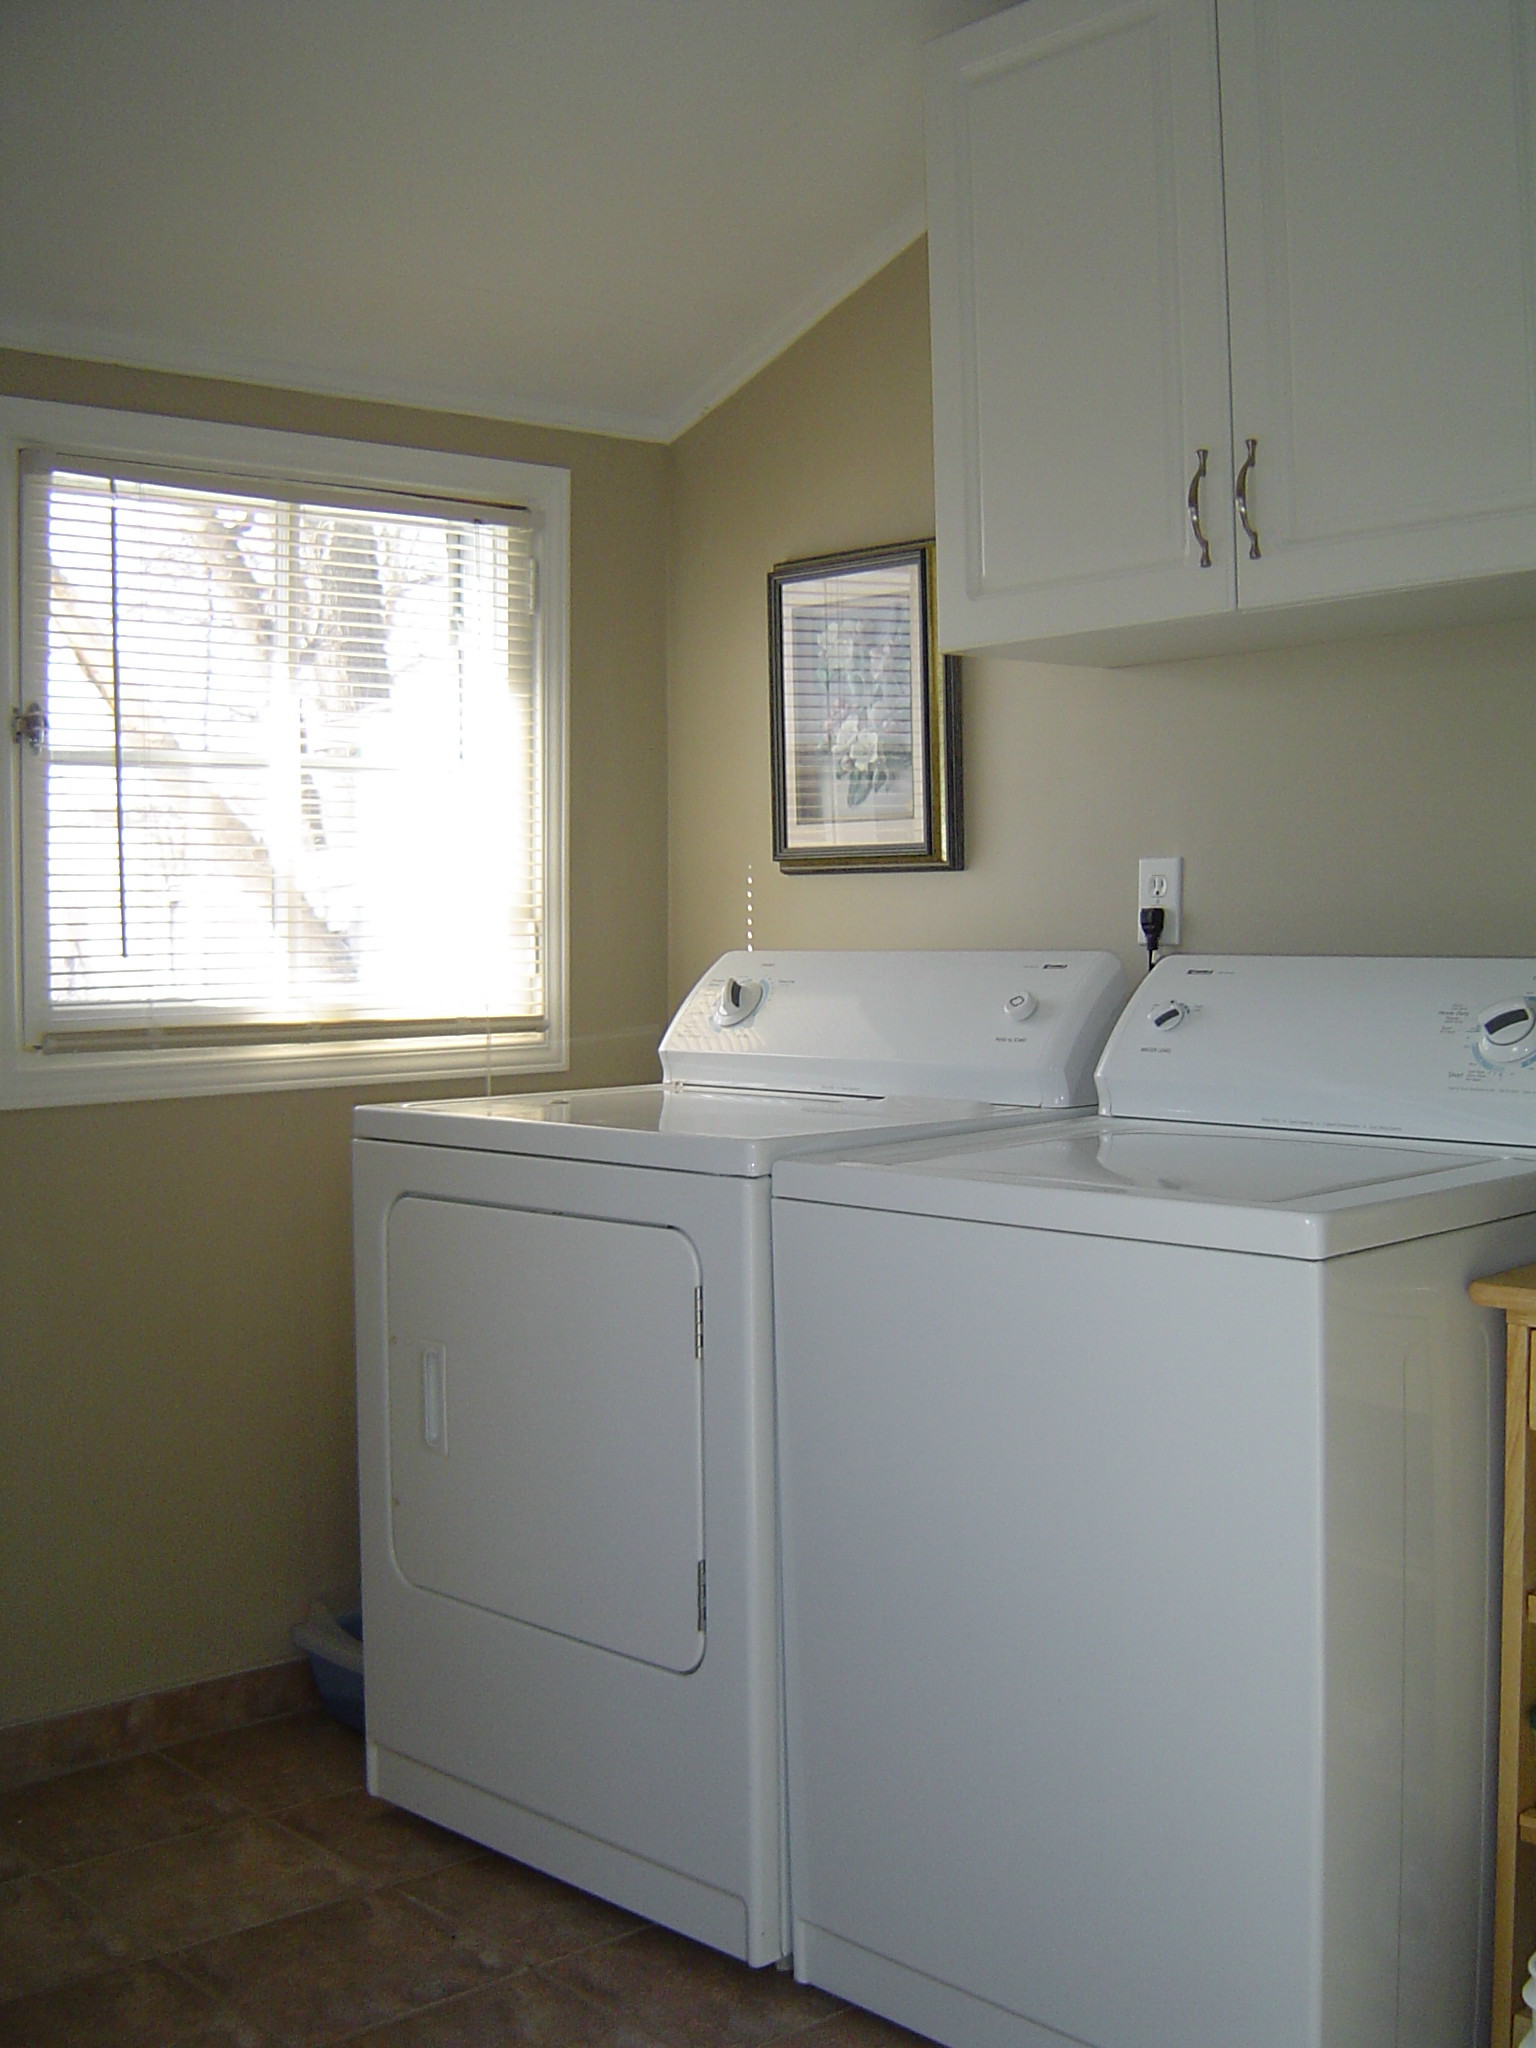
x: 1381, y: 288
x: 1179, y: 225
x: 1079, y: 319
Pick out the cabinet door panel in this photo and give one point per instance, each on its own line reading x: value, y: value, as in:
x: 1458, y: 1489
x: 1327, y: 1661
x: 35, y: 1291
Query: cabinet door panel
x: 1382, y: 289
x: 1079, y: 332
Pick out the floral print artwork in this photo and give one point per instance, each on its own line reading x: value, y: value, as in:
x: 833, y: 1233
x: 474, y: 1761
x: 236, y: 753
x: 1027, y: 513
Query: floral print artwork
x: 859, y: 713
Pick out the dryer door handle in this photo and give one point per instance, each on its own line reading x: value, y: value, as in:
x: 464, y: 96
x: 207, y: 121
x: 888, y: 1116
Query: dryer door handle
x: 434, y: 1397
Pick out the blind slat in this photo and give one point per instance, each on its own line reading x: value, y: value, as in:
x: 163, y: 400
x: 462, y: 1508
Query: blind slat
x: 292, y: 765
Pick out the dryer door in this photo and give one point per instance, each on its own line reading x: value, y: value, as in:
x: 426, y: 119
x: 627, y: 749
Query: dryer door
x: 545, y: 1421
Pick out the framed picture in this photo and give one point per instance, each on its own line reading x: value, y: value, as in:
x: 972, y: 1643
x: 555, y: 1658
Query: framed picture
x: 866, y: 717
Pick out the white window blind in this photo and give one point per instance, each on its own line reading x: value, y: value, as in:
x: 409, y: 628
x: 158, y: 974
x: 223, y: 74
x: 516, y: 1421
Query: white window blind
x: 288, y: 783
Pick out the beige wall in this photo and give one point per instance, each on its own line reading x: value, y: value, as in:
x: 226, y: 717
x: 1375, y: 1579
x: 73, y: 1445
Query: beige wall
x: 177, y: 1474
x: 1354, y: 797
x: 176, y: 1470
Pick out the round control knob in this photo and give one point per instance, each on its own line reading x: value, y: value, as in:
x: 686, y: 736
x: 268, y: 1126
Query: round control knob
x: 1505, y: 1031
x: 1018, y: 1007
x: 1167, y: 1016
x: 738, y: 1000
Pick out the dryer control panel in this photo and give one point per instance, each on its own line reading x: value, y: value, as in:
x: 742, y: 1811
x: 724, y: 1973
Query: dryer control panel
x: 1021, y: 1028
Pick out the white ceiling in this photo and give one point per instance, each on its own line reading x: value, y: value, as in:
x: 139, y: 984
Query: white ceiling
x: 595, y: 213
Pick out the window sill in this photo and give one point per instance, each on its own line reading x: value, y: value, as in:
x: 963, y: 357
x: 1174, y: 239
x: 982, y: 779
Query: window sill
x: 34, y: 1080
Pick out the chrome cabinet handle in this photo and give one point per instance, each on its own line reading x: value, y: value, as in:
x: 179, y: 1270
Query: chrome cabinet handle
x: 1249, y: 462
x: 1194, y: 508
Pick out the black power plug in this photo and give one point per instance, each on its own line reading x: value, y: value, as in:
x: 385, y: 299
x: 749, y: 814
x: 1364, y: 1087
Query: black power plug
x: 1151, y: 932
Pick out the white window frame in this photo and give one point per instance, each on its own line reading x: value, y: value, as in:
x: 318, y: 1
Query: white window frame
x: 30, y: 1077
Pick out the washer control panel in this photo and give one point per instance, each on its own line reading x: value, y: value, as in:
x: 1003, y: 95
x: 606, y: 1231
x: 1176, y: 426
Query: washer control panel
x: 1396, y: 1047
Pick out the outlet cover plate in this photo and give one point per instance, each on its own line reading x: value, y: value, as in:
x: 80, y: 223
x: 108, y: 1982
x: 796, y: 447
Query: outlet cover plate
x: 1160, y: 886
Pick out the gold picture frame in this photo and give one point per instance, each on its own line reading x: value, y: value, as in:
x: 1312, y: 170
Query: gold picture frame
x: 865, y: 715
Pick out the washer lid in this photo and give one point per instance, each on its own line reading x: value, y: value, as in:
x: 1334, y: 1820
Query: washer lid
x: 1441, y: 1049
x: 1300, y: 1197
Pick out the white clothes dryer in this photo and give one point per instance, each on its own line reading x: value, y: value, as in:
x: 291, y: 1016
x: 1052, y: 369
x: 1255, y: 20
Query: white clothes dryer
x: 1139, y: 1491
x: 565, y: 1408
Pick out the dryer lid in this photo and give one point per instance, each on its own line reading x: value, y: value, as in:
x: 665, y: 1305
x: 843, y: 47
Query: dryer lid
x: 1443, y: 1049
x: 740, y: 1131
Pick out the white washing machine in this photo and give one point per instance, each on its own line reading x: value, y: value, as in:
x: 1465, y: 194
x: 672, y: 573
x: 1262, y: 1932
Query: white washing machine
x: 1139, y: 1489
x: 565, y: 1408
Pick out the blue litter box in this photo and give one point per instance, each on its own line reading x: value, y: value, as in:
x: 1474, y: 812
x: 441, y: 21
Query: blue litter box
x: 333, y: 1643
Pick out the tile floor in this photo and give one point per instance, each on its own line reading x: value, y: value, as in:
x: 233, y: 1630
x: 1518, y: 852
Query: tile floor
x: 242, y: 1890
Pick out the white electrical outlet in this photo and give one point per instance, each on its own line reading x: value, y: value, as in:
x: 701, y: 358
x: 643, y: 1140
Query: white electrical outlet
x: 1160, y: 886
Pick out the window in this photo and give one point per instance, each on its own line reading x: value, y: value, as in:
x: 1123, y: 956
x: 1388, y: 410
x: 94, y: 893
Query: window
x: 285, y: 795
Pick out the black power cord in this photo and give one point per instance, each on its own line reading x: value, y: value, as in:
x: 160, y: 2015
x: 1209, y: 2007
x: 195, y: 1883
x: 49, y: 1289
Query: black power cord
x: 1151, y: 932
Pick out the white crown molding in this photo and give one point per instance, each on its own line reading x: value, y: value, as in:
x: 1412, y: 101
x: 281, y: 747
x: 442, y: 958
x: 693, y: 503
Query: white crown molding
x: 742, y: 368
x: 84, y: 343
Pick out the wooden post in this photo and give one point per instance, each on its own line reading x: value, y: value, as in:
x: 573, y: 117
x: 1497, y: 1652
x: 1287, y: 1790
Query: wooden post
x: 1514, y: 1906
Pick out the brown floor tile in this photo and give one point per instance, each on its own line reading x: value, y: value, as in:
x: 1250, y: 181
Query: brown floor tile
x: 228, y: 2030
x: 319, y: 1976
x: 149, y: 2006
x: 524, y: 2011
x: 48, y: 1938
x: 224, y: 2030
x: 383, y: 1841
x: 112, y: 1806
x: 691, y: 1996
x: 172, y: 1894
x: 510, y: 1915
x: 851, y: 2028
x: 277, y: 1763
x: 143, y: 1904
